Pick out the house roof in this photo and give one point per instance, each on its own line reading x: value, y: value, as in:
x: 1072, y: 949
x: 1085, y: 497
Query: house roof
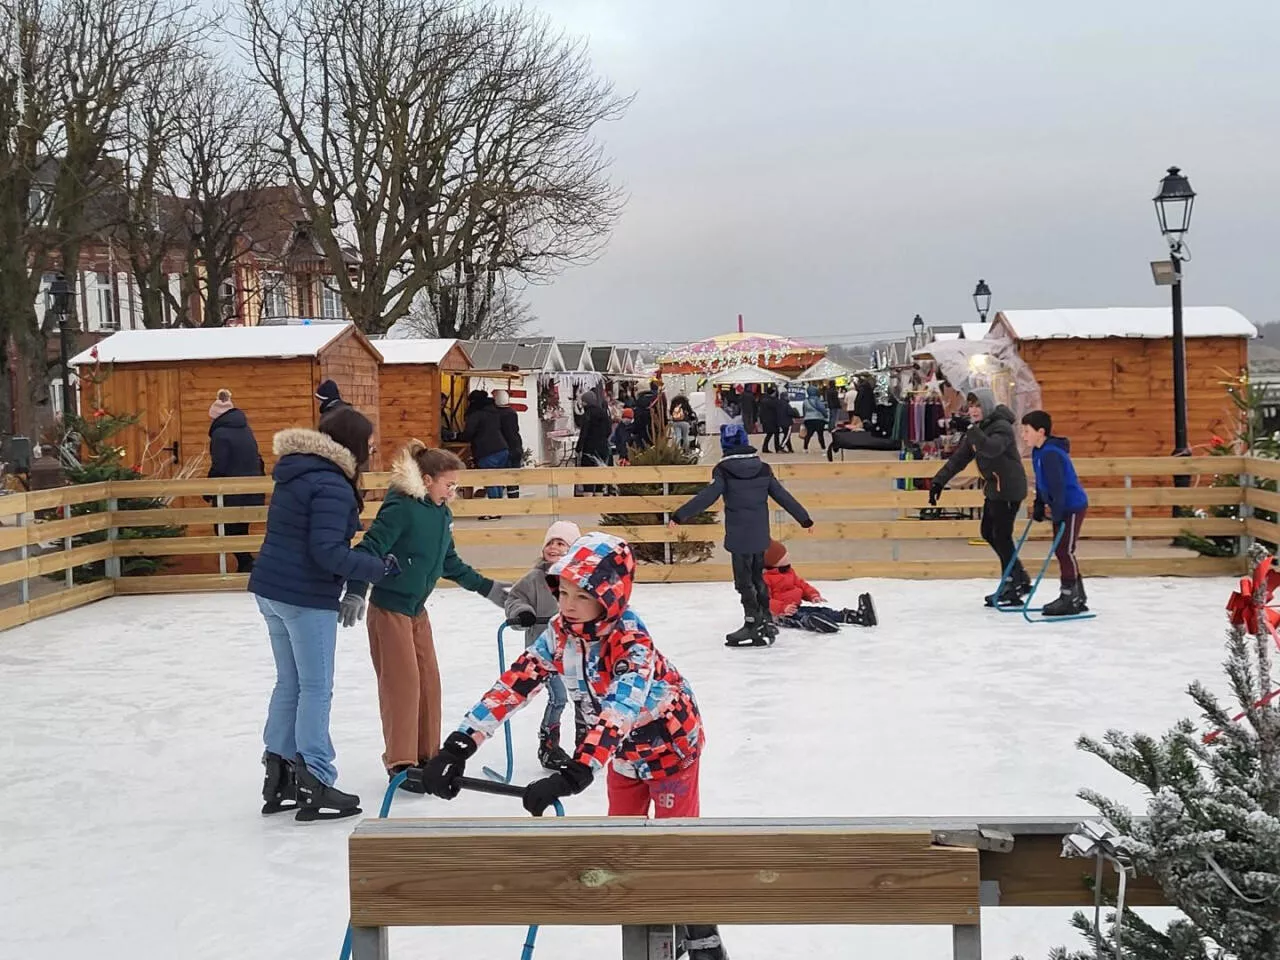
x: 533, y: 353
x: 1148, y: 323
x: 605, y: 359
x: 974, y: 331
x: 213, y: 343
x: 414, y: 350
x: 576, y: 356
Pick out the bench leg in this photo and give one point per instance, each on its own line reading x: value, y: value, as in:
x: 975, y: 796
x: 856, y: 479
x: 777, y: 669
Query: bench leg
x: 641, y: 942
x: 966, y: 942
x: 369, y: 943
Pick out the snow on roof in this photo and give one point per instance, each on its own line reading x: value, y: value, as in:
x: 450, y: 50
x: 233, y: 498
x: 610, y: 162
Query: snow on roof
x: 1149, y: 323
x: 414, y: 350
x: 212, y: 343
x: 974, y: 331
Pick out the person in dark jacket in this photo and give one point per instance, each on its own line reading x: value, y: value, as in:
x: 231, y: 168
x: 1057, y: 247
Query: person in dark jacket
x: 593, y: 436
x: 684, y: 422
x: 329, y: 397
x: 305, y: 559
x: 509, y: 421
x: 622, y: 435
x: 786, y: 421
x: 864, y: 401
x: 483, y: 430
x: 1060, y: 496
x: 747, y: 403
x: 992, y: 444
x: 769, y: 419
x: 233, y: 452
x: 746, y: 482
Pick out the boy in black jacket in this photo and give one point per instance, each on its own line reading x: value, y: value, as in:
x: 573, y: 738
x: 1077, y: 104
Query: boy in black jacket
x: 746, y: 482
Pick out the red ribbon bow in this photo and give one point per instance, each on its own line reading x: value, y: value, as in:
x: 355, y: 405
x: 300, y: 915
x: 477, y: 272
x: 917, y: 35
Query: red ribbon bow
x: 1241, y: 609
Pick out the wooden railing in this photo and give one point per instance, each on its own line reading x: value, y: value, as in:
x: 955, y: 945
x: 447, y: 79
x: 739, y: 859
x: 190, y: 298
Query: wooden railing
x: 38, y: 530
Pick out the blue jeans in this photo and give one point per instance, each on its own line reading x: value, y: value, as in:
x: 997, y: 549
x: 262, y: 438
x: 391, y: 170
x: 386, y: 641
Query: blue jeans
x: 557, y: 697
x: 493, y: 461
x: 303, y: 641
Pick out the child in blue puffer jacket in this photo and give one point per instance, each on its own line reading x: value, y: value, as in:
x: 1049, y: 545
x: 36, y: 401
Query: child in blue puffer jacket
x: 1058, y: 492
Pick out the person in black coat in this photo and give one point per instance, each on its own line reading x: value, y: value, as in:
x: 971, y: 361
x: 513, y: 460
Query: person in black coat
x: 330, y: 398
x: 593, y: 436
x: 786, y: 420
x: 748, y: 404
x: 233, y: 452
x: 746, y: 483
x: 509, y: 421
x: 483, y: 430
x: 769, y: 419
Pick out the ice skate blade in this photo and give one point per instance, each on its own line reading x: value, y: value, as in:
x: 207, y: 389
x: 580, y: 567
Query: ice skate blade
x: 273, y: 806
x: 308, y: 815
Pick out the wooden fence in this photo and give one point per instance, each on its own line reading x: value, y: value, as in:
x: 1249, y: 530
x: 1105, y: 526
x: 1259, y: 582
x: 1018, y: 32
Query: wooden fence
x: 39, y: 531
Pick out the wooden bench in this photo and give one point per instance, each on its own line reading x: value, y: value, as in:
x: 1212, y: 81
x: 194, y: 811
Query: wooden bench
x: 649, y: 875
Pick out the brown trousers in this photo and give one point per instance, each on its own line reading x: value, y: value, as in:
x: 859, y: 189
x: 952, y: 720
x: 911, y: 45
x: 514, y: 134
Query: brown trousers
x: 404, y: 660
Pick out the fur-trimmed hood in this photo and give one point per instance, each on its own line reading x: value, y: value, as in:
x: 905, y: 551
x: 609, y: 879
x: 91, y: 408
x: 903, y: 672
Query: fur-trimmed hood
x: 316, y: 444
x: 406, y: 478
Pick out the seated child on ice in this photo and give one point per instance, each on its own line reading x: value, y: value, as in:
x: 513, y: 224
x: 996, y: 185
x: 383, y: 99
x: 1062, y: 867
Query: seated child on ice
x: 788, y: 593
x: 531, y: 603
x: 642, y: 712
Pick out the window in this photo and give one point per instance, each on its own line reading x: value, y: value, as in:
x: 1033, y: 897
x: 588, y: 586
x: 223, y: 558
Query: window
x: 101, y: 310
x: 275, y: 296
x: 330, y: 302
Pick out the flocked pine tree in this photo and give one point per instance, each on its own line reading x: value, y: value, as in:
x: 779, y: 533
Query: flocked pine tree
x: 1211, y: 836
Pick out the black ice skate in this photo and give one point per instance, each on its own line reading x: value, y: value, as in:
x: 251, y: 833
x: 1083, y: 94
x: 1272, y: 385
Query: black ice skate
x: 318, y: 801
x: 864, y: 616
x: 700, y: 942
x: 1012, y: 594
x: 750, y: 634
x: 550, y: 755
x: 1070, y: 602
x: 279, y: 789
x: 769, y: 627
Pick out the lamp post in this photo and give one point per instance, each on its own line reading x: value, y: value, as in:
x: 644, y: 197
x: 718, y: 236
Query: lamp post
x: 1173, y: 209
x: 59, y: 301
x: 917, y: 328
x: 982, y: 300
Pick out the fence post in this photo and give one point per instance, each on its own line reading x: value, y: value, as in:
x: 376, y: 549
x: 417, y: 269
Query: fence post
x: 113, y: 535
x: 222, y: 554
x: 24, y: 551
x: 652, y: 942
x: 1128, y: 517
x: 66, y: 545
x: 966, y: 942
x: 666, y: 518
x: 1246, y: 513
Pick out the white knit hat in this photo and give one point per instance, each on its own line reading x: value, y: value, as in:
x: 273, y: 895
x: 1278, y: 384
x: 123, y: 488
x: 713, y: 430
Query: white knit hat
x: 565, y: 530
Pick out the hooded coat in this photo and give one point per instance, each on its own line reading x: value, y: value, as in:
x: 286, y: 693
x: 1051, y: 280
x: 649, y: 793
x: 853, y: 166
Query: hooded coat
x: 993, y: 444
x: 1057, y: 486
x: 746, y: 482
x: 483, y: 428
x: 638, y: 709
x: 532, y: 594
x: 509, y: 424
x: 593, y: 431
x: 233, y: 452
x: 306, y: 555
x: 420, y: 534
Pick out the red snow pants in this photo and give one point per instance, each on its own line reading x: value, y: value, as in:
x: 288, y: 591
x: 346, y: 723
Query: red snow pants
x: 674, y: 796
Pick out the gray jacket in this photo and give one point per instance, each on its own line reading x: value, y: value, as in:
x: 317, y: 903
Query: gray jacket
x: 531, y: 592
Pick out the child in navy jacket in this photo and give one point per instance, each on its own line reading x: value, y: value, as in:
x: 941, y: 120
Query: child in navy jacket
x: 1060, y: 497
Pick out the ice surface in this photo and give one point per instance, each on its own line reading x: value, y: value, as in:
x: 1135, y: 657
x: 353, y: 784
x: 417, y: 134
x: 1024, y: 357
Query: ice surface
x: 130, y: 737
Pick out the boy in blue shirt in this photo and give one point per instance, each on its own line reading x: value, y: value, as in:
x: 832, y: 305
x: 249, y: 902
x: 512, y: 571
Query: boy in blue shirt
x: 1058, y: 489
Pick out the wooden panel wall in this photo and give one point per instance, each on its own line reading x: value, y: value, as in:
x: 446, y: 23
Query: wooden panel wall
x: 151, y: 391
x: 409, y: 405
x: 273, y: 393
x: 1114, y: 398
x: 355, y: 370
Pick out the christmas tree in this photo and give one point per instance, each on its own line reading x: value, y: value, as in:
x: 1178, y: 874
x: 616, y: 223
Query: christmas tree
x: 1211, y: 836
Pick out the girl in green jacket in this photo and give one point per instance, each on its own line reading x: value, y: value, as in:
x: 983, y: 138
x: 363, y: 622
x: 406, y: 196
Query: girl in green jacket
x: 416, y: 524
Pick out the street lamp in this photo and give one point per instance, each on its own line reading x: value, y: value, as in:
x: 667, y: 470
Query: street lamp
x: 59, y: 301
x: 917, y: 327
x: 982, y: 299
x: 1173, y: 209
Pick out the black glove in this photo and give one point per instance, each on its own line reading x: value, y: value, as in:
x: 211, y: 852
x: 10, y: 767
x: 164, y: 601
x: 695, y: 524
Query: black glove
x: 540, y: 794
x: 525, y: 618
x: 441, y: 773
x: 1037, y: 512
x: 390, y: 565
x: 935, y: 492
x: 959, y: 423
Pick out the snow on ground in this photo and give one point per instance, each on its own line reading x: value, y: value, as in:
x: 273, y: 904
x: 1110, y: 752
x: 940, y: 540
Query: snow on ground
x: 130, y: 737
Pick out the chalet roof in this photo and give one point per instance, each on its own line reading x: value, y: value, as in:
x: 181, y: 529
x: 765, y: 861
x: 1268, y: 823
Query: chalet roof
x: 414, y: 350
x: 974, y: 331
x: 1148, y: 323
x: 576, y: 356
x: 602, y: 357
x: 532, y: 354
x: 212, y: 343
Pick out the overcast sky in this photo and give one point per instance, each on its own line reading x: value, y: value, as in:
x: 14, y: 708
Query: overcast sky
x: 833, y: 168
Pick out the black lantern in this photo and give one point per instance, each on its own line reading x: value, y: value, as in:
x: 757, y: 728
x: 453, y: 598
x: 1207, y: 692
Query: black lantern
x: 982, y: 299
x: 917, y: 325
x: 1173, y: 205
x: 59, y: 302
x: 59, y: 299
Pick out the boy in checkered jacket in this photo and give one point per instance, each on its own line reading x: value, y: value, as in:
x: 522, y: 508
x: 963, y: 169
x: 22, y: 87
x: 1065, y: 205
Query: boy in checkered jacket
x: 643, y: 719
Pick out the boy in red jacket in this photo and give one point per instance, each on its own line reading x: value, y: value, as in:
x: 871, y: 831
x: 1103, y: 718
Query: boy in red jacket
x: 788, y: 593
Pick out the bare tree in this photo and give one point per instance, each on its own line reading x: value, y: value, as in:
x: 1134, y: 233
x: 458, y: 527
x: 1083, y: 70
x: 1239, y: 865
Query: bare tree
x: 437, y: 145
x: 507, y: 316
